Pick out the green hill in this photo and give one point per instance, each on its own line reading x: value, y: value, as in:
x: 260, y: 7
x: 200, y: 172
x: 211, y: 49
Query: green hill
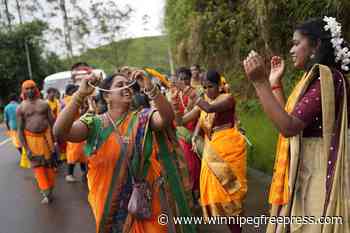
x: 138, y: 52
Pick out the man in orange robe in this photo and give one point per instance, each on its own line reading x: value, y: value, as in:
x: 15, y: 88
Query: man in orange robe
x: 35, y: 122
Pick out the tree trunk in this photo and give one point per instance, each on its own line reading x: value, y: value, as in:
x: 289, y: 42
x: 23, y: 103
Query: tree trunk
x: 29, y: 66
x: 8, y: 15
x: 67, y: 29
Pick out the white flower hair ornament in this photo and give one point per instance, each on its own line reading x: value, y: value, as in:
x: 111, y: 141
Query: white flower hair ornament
x: 341, y: 53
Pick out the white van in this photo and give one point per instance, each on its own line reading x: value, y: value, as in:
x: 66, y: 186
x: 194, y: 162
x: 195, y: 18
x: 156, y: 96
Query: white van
x: 60, y: 80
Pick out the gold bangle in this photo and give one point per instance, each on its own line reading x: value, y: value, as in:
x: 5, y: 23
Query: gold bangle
x: 154, y: 94
x: 151, y: 91
x: 154, y: 91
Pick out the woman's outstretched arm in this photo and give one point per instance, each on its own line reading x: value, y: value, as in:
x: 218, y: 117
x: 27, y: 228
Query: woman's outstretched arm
x: 66, y: 128
x: 287, y: 125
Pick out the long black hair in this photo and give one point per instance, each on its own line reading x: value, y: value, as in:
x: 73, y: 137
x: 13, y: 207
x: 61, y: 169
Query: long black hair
x: 314, y: 30
x: 70, y: 89
x: 213, y: 76
x: 185, y: 72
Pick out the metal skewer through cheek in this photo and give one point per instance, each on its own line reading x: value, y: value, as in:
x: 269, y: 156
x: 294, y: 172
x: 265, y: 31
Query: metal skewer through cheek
x: 114, y: 89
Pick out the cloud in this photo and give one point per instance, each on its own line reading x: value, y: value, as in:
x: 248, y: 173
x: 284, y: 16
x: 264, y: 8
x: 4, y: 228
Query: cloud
x: 154, y: 9
x: 145, y: 20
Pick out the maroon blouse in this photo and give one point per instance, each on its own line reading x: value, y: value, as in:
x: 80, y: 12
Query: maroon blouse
x: 226, y: 117
x: 309, y: 107
x: 309, y: 110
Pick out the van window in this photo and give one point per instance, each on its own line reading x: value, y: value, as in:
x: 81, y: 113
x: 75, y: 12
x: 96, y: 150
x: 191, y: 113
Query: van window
x: 59, y: 84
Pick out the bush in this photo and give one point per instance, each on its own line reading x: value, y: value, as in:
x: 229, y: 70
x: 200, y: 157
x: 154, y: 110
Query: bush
x: 263, y: 136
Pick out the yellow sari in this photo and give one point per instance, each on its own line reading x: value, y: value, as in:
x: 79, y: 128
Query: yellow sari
x: 223, y: 182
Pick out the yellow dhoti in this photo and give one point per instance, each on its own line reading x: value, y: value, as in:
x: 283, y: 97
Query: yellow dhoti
x: 14, y: 137
x: 41, y: 146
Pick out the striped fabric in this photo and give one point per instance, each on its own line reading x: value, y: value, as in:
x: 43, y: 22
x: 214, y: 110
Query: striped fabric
x: 279, y: 188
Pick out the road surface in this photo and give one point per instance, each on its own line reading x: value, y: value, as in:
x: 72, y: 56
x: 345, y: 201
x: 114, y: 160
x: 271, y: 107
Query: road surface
x: 21, y: 211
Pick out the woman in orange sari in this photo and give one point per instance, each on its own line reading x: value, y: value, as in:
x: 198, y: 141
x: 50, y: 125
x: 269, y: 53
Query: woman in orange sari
x: 127, y: 150
x: 223, y: 182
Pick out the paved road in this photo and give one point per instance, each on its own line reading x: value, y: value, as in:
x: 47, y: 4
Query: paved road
x: 21, y: 211
x: 20, y: 208
x: 2, y: 133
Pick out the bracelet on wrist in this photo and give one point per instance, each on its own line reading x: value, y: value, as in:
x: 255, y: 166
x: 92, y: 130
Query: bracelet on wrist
x: 153, y: 94
x: 147, y: 92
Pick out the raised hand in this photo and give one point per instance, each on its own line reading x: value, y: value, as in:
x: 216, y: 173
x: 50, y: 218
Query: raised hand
x: 277, y: 70
x: 88, y: 83
x: 147, y: 81
x: 254, y: 67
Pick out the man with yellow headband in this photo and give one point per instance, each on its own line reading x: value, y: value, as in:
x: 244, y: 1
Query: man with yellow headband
x: 34, y: 125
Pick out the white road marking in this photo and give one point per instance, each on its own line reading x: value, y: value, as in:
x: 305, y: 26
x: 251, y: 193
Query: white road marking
x: 5, y: 141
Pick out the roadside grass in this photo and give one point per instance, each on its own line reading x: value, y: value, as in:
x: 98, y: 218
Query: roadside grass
x: 263, y: 136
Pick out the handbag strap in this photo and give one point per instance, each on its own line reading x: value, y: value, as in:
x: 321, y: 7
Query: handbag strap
x: 122, y: 142
x: 123, y: 155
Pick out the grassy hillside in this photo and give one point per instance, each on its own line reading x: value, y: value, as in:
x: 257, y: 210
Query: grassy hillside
x: 139, y: 52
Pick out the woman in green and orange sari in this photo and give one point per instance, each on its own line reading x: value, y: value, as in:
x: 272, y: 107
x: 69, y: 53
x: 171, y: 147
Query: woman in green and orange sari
x: 223, y: 182
x: 124, y: 147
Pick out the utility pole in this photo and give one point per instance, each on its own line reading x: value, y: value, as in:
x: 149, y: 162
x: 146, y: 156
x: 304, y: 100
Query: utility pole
x: 171, y: 61
x: 29, y: 65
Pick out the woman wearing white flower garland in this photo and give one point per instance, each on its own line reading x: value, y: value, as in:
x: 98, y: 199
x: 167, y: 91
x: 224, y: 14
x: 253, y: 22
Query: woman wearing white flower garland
x: 311, y: 174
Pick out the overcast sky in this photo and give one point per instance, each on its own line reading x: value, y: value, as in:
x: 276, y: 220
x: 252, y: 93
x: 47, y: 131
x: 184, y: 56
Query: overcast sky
x: 135, y: 27
x: 153, y: 8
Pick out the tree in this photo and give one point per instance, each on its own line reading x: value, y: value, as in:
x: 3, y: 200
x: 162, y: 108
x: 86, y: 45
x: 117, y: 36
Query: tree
x: 29, y: 65
x: 66, y: 28
x: 8, y: 14
x: 108, y: 18
x: 220, y: 32
x: 14, y: 59
x: 101, y: 20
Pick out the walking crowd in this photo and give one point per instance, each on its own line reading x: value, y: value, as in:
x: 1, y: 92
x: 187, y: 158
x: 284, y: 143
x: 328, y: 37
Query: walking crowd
x: 148, y: 144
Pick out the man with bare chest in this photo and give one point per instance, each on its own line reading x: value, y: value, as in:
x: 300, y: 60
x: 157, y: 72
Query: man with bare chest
x: 35, y: 120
